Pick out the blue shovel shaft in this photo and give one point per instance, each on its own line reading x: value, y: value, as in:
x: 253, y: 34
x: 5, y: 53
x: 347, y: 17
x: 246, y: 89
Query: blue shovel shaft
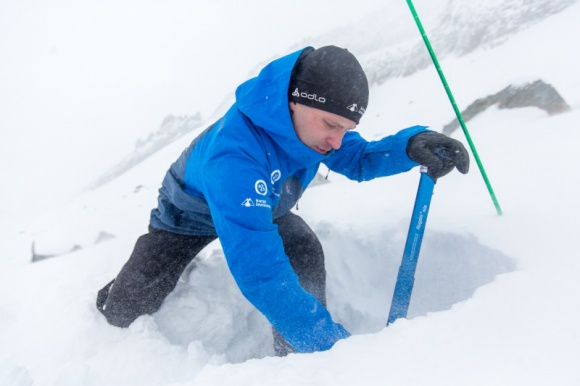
x: 406, y: 276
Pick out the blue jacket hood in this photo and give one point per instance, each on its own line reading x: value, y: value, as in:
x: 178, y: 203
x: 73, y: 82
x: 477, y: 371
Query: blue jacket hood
x: 264, y: 100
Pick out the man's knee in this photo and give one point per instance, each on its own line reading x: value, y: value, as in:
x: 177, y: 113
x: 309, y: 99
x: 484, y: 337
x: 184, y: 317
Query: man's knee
x: 298, y: 237
x: 305, y: 254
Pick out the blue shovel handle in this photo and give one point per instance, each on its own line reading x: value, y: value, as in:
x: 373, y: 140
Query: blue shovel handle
x: 406, y: 276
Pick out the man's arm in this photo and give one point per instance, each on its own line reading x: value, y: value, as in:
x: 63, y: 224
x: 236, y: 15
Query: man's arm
x: 237, y: 189
x: 361, y: 160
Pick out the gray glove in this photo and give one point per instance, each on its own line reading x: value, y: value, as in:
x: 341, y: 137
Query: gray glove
x: 438, y: 152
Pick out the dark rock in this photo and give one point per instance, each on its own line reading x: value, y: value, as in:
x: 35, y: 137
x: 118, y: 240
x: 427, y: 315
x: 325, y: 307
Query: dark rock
x: 536, y: 94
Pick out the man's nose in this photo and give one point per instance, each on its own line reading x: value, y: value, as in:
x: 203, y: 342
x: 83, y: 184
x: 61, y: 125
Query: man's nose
x: 336, y: 140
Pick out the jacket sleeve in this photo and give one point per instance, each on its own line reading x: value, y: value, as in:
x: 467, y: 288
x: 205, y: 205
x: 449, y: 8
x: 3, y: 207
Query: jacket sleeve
x: 237, y: 188
x: 361, y: 160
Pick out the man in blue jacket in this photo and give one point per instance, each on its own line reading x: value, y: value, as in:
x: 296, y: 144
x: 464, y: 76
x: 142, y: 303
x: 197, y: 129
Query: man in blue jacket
x: 239, y: 179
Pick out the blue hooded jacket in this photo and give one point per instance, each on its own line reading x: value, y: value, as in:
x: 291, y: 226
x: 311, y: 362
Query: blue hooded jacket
x: 249, y: 168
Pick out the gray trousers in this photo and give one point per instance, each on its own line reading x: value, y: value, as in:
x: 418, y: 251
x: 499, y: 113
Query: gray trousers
x: 160, y: 257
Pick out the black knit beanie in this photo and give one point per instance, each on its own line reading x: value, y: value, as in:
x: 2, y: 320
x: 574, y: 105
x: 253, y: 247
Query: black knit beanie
x: 330, y: 79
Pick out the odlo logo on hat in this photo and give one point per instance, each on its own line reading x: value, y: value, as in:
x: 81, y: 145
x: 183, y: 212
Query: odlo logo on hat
x: 312, y: 97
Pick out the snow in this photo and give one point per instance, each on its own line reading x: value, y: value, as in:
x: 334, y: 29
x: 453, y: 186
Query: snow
x: 497, y: 298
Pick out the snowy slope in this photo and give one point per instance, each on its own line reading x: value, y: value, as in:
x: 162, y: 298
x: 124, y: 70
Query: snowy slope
x: 496, y: 300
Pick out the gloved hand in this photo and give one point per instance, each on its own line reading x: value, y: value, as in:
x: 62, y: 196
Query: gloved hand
x: 438, y: 152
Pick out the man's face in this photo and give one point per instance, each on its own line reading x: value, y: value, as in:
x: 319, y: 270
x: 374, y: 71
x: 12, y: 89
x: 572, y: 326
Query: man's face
x: 318, y: 129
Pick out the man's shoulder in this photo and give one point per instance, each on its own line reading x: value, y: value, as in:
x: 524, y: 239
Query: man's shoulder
x: 235, y: 139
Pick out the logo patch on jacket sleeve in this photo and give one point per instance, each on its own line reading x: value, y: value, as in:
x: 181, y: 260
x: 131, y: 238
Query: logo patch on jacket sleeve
x: 248, y: 202
x: 275, y: 176
x: 261, y: 187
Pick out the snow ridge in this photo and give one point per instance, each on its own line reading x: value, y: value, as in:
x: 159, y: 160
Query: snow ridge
x: 461, y: 28
x: 172, y: 128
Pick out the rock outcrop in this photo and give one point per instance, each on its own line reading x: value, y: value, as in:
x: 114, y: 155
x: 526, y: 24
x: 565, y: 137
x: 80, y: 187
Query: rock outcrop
x: 536, y: 94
